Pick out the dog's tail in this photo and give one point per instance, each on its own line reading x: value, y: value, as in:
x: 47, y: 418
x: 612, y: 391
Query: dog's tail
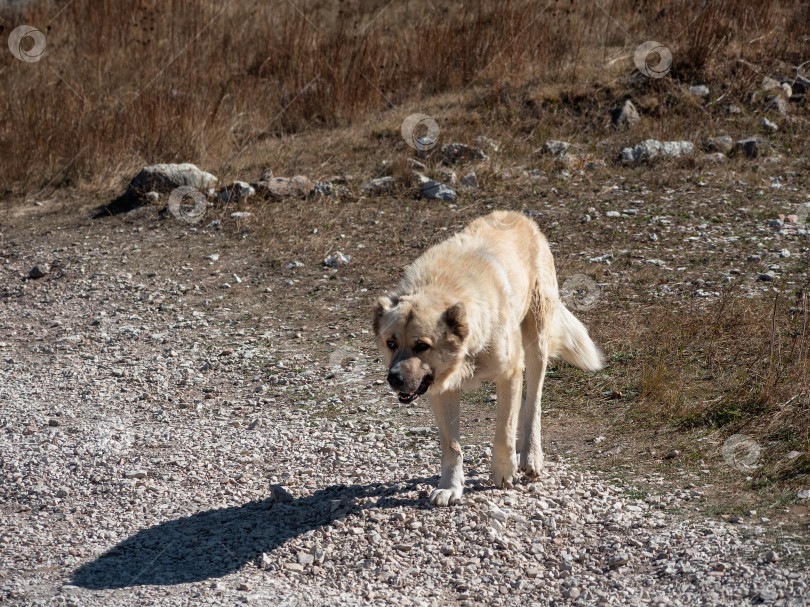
x: 570, y: 340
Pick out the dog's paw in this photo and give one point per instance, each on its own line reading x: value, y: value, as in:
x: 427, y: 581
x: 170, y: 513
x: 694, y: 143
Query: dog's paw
x: 503, y: 474
x: 445, y: 497
x: 532, y: 463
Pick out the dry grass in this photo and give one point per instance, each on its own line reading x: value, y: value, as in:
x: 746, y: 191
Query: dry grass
x: 131, y: 82
x: 740, y: 365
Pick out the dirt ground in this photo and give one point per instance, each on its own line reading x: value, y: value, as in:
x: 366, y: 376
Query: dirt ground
x: 232, y: 298
x: 680, y: 248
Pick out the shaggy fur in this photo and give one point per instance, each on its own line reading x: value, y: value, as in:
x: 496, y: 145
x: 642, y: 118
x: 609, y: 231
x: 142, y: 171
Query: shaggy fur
x: 483, y: 304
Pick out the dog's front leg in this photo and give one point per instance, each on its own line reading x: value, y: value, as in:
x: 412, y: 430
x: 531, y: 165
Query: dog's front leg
x: 504, y: 459
x: 447, y: 408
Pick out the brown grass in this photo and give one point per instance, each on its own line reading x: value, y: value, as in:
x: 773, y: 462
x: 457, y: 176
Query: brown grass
x: 740, y: 365
x: 132, y: 82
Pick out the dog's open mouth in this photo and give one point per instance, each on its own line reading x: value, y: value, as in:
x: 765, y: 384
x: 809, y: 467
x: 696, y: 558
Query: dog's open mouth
x: 406, y: 398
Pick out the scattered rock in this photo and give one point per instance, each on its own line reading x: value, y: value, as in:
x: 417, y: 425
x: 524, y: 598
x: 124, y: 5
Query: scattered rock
x: 236, y: 192
x: 280, y: 495
x: 672, y: 454
x: 673, y: 149
x: 39, y: 270
x: 555, y: 147
x: 769, y: 84
x: 448, y: 176
x: 241, y: 214
x: 135, y: 474
x: 651, y: 148
x: 767, y: 595
x: 715, y: 158
x: 163, y: 178
x: 453, y: 153
x: 723, y: 144
x: 469, y: 182
x: 751, y: 147
x: 377, y: 186
x: 700, y: 90
x: 437, y: 191
x: 331, y: 188
x: 618, y: 560
x: 768, y: 125
x: 285, y: 187
x: 778, y: 104
x: 625, y: 115
x: 804, y: 494
x: 305, y: 559
x: 771, y: 556
x: 337, y: 260
x: 416, y: 165
x: 486, y: 142
x: 767, y: 276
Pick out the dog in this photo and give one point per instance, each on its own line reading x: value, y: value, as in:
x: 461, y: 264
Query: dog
x: 482, y: 305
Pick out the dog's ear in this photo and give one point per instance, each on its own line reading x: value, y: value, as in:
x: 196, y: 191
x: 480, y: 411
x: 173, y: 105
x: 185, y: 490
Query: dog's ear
x: 381, y: 306
x: 455, y: 317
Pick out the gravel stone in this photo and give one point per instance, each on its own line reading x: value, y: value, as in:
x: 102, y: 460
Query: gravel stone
x: 205, y: 452
x: 437, y: 191
x: 625, y: 115
x: 39, y: 270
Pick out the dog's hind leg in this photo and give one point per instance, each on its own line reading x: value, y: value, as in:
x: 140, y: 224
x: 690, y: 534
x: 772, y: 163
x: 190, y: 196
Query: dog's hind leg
x: 447, y: 410
x: 504, y: 460
x: 536, y: 349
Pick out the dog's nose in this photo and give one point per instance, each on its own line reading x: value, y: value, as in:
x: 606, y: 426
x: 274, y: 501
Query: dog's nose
x: 395, y: 380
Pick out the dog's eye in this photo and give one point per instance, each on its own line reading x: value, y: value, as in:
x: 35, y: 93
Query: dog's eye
x: 391, y: 344
x: 421, y: 347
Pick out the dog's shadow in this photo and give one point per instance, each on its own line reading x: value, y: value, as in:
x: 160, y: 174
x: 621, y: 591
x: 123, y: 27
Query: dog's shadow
x: 214, y: 543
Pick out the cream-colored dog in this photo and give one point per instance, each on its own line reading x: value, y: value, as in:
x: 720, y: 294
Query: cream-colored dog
x: 481, y: 305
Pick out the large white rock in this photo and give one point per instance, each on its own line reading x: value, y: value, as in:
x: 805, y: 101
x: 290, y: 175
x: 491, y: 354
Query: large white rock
x: 652, y: 148
x: 164, y: 178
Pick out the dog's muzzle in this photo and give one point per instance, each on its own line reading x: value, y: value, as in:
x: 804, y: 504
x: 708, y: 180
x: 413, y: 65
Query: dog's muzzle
x: 408, y: 397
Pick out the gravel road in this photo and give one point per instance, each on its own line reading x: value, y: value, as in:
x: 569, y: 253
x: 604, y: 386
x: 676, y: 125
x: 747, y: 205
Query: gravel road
x: 164, y: 442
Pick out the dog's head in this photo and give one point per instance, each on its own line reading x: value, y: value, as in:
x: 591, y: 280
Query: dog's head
x: 421, y: 338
